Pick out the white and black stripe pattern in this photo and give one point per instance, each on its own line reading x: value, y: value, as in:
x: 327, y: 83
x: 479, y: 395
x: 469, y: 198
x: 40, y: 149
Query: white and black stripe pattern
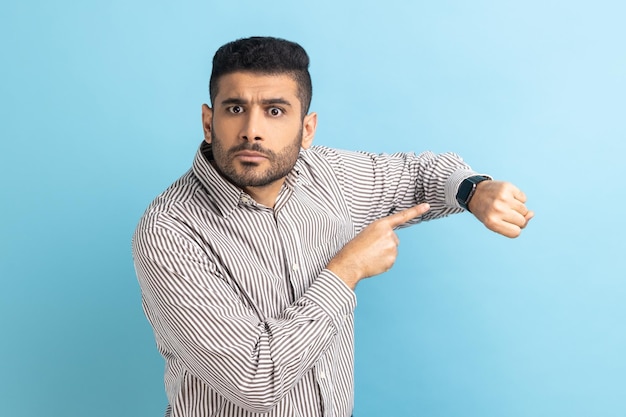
x: 248, y: 319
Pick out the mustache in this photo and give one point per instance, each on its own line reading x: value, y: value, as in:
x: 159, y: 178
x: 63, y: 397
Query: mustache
x: 254, y: 147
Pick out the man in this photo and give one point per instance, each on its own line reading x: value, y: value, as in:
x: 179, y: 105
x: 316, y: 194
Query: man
x: 248, y: 262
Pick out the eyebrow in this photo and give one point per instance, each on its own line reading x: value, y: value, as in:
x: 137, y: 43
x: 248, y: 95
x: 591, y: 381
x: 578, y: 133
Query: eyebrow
x: 240, y: 101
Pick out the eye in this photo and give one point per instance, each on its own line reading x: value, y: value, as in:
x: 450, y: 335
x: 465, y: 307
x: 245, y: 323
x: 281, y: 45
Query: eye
x: 275, y: 111
x: 235, y: 109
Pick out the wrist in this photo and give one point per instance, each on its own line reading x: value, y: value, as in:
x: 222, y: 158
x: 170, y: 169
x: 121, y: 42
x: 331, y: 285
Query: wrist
x: 347, y: 274
x: 467, y: 189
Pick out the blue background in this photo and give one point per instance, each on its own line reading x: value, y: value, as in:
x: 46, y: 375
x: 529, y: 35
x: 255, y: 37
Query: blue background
x: 100, y: 108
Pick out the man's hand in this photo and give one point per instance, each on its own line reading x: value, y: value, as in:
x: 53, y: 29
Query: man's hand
x: 501, y: 207
x: 374, y: 250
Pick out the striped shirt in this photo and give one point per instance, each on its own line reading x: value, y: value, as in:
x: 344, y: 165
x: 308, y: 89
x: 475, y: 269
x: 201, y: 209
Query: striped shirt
x: 247, y: 318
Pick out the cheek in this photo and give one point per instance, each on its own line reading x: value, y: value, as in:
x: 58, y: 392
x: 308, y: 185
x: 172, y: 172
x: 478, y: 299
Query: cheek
x: 225, y: 126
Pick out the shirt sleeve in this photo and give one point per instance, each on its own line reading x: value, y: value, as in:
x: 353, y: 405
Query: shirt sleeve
x: 205, y: 321
x: 376, y: 185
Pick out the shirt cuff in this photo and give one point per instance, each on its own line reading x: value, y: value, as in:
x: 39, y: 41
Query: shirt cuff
x: 333, y: 296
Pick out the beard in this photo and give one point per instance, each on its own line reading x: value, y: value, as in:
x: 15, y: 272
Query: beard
x: 250, y: 174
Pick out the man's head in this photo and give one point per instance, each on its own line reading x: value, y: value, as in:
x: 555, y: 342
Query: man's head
x: 265, y: 56
x: 259, y: 120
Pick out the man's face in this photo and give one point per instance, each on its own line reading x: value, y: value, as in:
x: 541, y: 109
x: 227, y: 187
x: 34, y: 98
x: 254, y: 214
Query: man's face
x: 256, y: 128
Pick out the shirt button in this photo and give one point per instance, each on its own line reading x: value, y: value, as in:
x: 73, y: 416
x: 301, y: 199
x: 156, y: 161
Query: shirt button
x: 295, y: 267
x: 322, y: 375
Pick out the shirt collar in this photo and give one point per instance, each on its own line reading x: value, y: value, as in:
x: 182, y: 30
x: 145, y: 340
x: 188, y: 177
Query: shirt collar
x: 227, y: 196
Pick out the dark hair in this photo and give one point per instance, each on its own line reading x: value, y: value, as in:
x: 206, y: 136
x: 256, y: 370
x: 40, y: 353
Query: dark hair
x: 264, y: 55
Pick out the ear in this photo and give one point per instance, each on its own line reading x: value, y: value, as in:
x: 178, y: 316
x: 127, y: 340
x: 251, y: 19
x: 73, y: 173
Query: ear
x: 308, y: 129
x: 207, y: 122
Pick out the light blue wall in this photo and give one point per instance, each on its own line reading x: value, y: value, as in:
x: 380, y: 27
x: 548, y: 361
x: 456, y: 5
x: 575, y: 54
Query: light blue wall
x: 100, y: 109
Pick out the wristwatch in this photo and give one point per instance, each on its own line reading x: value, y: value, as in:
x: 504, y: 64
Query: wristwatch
x: 468, y: 188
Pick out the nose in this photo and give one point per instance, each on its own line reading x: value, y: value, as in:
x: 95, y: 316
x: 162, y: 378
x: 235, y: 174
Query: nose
x: 253, y: 126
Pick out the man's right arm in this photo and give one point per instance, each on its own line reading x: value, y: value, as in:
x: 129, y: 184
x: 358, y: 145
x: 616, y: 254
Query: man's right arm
x: 199, y: 317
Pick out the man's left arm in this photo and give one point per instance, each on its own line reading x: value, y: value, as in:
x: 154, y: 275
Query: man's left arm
x: 377, y: 185
x: 501, y: 207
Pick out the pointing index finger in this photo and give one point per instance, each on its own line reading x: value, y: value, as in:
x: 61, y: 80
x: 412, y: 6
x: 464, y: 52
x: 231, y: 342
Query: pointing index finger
x: 404, y: 216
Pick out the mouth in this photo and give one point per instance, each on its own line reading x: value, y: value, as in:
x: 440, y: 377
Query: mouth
x: 250, y: 156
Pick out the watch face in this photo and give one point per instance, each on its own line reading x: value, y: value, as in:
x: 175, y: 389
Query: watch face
x: 467, y: 188
x: 464, y: 191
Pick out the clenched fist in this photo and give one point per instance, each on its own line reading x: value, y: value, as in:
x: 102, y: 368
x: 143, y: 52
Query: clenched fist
x: 501, y: 207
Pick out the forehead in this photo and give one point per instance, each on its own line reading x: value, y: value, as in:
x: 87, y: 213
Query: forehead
x: 251, y: 86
